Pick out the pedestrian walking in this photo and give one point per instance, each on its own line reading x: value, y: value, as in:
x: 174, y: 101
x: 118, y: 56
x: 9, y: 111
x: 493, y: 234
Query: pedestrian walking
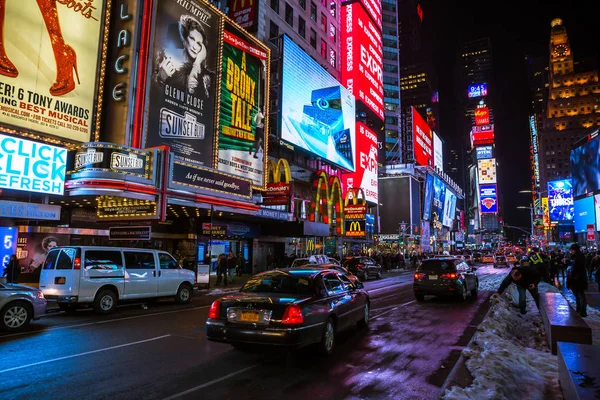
x: 526, y: 278
x: 241, y: 264
x: 231, y: 265
x: 577, y: 280
x: 222, y: 270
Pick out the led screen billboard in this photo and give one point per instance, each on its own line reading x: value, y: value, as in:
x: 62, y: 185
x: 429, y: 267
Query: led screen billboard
x: 423, y: 139
x: 482, y: 135
x: 597, y: 209
x: 449, y: 208
x: 439, y: 198
x: 365, y: 160
x: 49, y: 53
x: 488, y: 199
x: 482, y: 116
x: 438, y: 152
x: 479, y: 90
x: 483, y: 152
x: 317, y: 112
x: 560, y: 200
x: 428, y: 197
x: 8, y: 246
x: 362, y: 57
x: 585, y: 167
x: 486, y: 170
x: 244, y: 13
x: 584, y: 214
x: 373, y: 8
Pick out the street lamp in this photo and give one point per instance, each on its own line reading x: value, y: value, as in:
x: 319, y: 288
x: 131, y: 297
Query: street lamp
x: 531, y: 211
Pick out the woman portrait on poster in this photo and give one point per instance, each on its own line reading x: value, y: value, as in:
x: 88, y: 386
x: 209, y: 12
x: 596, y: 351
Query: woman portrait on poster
x: 39, y: 254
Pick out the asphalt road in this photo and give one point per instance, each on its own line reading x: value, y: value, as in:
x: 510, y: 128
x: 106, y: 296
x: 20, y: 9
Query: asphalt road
x: 160, y: 352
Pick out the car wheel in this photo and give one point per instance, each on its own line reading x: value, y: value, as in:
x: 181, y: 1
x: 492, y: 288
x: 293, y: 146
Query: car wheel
x: 379, y: 274
x: 419, y: 297
x: 184, y: 294
x: 475, y: 290
x: 328, y: 338
x: 364, y: 321
x: 105, y: 302
x: 461, y: 293
x: 15, y: 316
x: 69, y: 308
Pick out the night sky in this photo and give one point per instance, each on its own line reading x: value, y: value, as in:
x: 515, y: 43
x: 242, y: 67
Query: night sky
x: 515, y: 27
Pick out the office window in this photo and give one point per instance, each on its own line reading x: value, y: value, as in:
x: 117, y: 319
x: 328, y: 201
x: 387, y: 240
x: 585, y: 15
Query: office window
x: 275, y: 5
x: 302, y: 4
x: 332, y: 32
x: 273, y: 30
x: 313, y: 11
x: 332, y: 58
x: 323, y: 48
x: 313, y: 38
x: 332, y: 8
x: 289, y: 15
x: 301, y: 26
x: 323, y: 22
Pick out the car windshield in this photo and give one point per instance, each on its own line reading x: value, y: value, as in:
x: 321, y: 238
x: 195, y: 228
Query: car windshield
x: 437, y: 266
x: 278, y: 283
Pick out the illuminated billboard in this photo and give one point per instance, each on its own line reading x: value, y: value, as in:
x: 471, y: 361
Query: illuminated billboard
x: 483, y: 152
x: 486, y: 170
x: 482, y: 135
x: 243, y: 121
x: 423, y: 140
x: 597, y: 209
x: 479, y: 90
x: 439, y: 197
x: 560, y: 200
x: 449, y: 208
x: 438, y: 152
x: 373, y: 8
x: 584, y: 214
x: 585, y: 169
x: 365, y: 160
x: 482, y: 116
x: 49, y: 64
x: 317, y: 113
x: 244, y: 13
x: 488, y: 199
x: 428, y: 197
x: 362, y: 57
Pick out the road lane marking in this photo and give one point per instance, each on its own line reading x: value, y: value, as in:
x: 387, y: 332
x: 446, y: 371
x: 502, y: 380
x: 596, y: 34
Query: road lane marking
x: 387, y: 287
x: 83, y: 354
x: 101, y: 322
x: 210, y: 383
x: 393, y: 309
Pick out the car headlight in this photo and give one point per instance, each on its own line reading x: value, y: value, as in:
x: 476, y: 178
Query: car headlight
x: 39, y: 294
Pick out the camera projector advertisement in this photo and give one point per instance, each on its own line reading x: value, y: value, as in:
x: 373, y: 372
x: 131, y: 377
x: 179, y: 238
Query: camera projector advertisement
x: 49, y: 55
x: 317, y: 113
x: 365, y: 176
x: 560, y: 200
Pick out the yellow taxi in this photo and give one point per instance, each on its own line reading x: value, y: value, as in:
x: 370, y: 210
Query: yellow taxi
x: 511, y: 258
x: 488, y: 259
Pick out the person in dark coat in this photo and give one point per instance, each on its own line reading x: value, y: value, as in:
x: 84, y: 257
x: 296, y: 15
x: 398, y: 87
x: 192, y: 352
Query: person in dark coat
x: 578, y: 280
x: 525, y: 278
x: 12, y: 269
x: 241, y: 264
x: 231, y: 265
x: 222, y: 269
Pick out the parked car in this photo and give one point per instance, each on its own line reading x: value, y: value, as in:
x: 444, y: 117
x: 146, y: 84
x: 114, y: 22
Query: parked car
x: 363, y: 267
x: 104, y: 276
x: 488, y: 259
x: 19, y: 305
x: 353, y: 278
x: 501, y: 262
x: 289, y: 307
x: 449, y: 276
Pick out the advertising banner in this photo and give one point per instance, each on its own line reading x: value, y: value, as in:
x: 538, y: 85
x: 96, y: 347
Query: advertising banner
x: 244, y: 13
x: 482, y: 116
x: 488, y: 199
x: 597, y: 210
x: 355, y: 228
x: 479, y: 90
x: 584, y: 213
x: 585, y: 169
x: 31, y: 252
x: 482, y: 135
x: 181, y: 103
x: 373, y: 8
x: 123, y: 208
x: 487, y: 170
x: 129, y: 233
x: 423, y: 139
x: 32, y: 166
x: 591, y: 234
x: 19, y: 209
x: 449, y: 209
x: 109, y: 157
x: 560, y: 198
x: 365, y: 159
x: 362, y: 57
x: 317, y: 113
x: 483, y: 152
x: 546, y: 210
x: 243, y: 120
x: 439, y: 199
x: 49, y: 66
x: 8, y: 245
x: 428, y: 197
x: 438, y: 152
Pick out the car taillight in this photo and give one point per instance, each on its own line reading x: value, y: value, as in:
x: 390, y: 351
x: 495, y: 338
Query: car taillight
x: 419, y: 275
x: 215, y: 310
x: 360, y: 266
x: 292, y: 315
x: 77, y: 263
x: 449, y: 276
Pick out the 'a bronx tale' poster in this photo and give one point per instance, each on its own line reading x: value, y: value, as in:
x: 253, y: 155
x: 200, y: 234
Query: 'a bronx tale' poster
x: 243, y: 118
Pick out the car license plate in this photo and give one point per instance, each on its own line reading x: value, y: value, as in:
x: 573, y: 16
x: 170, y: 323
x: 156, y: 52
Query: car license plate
x: 249, y: 317
x: 433, y: 277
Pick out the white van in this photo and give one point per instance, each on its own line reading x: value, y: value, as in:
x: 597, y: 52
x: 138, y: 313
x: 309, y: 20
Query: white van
x: 102, y: 276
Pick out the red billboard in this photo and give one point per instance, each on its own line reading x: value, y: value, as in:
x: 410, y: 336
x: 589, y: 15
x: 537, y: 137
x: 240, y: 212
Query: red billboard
x: 481, y: 135
x: 422, y: 140
x: 362, y: 57
x: 365, y: 160
x: 482, y: 116
x: 244, y: 12
x: 373, y: 7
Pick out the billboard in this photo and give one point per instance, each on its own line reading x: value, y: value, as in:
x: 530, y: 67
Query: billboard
x: 482, y: 116
x: 373, y: 8
x: 32, y: 166
x: 482, y: 135
x: 242, y: 119
x: 365, y: 160
x: 560, y: 200
x: 584, y: 214
x: 8, y: 245
x: 449, y: 209
x: 181, y: 102
x: 362, y: 57
x: 597, y: 209
x: 483, y: 152
x: 438, y: 152
x: 478, y: 90
x: 486, y: 170
x: 244, y: 13
x: 438, y: 202
x: 49, y: 62
x: 585, y: 167
x: 488, y: 199
x: 423, y: 139
x: 428, y: 198
x: 317, y: 113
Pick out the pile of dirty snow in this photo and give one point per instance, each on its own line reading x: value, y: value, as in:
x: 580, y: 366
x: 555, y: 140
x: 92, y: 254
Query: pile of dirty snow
x: 508, y: 356
x: 491, y: 282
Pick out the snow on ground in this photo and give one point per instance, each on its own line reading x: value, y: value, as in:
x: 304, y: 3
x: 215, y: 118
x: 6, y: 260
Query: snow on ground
x: 508, y: 356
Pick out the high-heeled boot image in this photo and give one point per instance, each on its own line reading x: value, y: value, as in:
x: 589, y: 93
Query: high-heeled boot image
x: 7, y: 68
x: 64, y: 55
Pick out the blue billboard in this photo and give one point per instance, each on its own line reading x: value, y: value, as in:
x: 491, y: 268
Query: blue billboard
x: 428, y: 197
x: 449, y: 209
x: 483, y: 152
x: 488, y: 199
x: 560, y: 200
x: 318, y: 114
x: 8, y: 245
x: 585, y: 166
x: 479, y: 90
x: 439, y: 197
x: 584, y: 214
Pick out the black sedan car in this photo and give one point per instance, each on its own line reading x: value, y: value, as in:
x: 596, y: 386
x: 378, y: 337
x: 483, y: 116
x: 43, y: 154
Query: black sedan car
x: 363, y: 267
x: 441, y: 276
x: 289, y: 307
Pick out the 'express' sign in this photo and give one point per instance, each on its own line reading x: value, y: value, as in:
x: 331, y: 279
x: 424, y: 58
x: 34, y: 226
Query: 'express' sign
x: 32, y: 166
